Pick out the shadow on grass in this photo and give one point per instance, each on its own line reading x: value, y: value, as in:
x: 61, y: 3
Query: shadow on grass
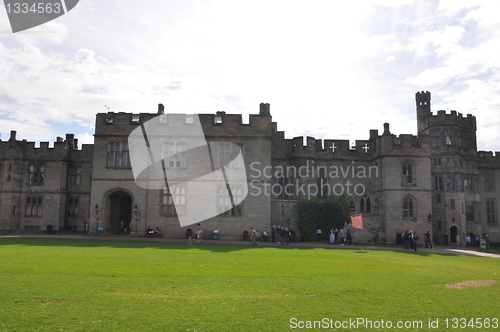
x: 210, y: 245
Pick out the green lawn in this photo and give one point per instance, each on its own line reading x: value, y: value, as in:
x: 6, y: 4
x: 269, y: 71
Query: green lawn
x: 114, y: 285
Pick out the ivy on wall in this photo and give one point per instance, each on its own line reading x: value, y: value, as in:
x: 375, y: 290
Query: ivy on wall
x: 324, y: 215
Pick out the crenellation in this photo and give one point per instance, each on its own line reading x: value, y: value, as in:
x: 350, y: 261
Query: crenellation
x: 392, y: 168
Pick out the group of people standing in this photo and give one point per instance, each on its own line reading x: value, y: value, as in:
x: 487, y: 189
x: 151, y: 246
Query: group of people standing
x: 341, y: 237
x: 409, y: 239
x: 281, y: 235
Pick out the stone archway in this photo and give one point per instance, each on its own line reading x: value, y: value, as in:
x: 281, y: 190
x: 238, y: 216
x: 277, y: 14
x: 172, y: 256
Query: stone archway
x: 120, y: 209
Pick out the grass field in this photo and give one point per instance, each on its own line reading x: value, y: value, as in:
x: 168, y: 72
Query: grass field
x: 114, y: 285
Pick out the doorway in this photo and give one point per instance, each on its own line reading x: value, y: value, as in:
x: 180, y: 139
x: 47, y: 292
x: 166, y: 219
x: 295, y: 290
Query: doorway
x: 120, y: 209
x: 453, y: 234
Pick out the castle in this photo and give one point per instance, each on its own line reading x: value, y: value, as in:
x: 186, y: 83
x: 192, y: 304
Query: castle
x: 434, y: 181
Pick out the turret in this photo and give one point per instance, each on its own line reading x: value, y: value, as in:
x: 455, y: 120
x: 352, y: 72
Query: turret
x: 423, y: 100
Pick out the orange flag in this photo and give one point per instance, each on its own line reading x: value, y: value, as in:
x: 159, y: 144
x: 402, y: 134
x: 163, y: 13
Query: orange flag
x: 357, y: 222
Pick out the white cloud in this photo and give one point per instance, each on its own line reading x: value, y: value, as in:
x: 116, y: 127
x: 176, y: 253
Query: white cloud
x: 336, y: 71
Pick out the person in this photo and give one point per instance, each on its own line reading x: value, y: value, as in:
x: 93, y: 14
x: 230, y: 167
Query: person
x: 288, y: 235
x: 332, y: 236
x: 273, y: 235
x: 427, y: 239
x: 157, y: 232
x: 407, y: 239
x: 278, y: 234
x: 266, y: 234
x: 414, y: 239
x: 478, y: 242
x: 284, y: 235
x: 216, y: 234
x: 349, y: 237
x: 445, y: 239
x: 467, y: 241
x: 198, y: 233
x: 403, y: 239
x: 254, y: 239
x: 150, y: 231
x: 487, y: 238
x: 342, y: 237
x: 318, y: 233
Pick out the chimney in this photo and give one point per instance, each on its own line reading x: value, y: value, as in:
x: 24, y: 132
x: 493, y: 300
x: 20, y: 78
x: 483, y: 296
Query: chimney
x: 12, y: 135
x: 386, y: 129
x: 70, y: 140
x: 161, y: 109
x: 265, y: 109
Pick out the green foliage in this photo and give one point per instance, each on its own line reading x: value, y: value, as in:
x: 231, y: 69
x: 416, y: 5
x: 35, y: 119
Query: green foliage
x: 325, y: 215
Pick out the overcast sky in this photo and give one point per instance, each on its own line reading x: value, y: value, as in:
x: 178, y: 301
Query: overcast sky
x: 329, y: 69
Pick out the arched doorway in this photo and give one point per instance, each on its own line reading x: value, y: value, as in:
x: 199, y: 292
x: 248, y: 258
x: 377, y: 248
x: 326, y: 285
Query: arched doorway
x: 120, y: 209
x: 453, y: 233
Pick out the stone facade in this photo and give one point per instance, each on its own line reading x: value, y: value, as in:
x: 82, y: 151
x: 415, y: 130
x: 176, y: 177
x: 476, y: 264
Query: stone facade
x: 434, y: 181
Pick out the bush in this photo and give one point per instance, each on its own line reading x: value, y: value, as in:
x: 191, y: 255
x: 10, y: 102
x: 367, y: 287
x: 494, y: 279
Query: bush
x: 325, y: 215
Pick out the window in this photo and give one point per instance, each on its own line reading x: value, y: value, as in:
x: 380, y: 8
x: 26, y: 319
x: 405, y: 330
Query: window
x: 118, y: 155
x: 237, y: 197
x: 450, y: 161
x: 175, y: 155
x: 467, y: 163
x: 226, y: 208
x: 365, y: 205
x: 75, y: 176
x: 466, y: 140
x: 33, y: 206
x: 407, y: 174
x: 408, y: 208
x: 489, y: 181
x: 452, y: 203
x: 322, y: 185
x: 167, y: 207
x: 469, y: 213
x: 36, y: 174
x: 437, y: 162
x: 490, y: 211
x: 438, y: 183
x: 451, y: 183
x: 285, y: 190
x: 229, y: 152
x: 436, y: 138
x: 180, y: 200
x: 449, y: 135
x: 73, y: 206
x: 469, y: 185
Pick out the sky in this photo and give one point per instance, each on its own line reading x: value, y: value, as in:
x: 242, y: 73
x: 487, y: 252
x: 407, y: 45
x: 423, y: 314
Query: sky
x: 329, y: 69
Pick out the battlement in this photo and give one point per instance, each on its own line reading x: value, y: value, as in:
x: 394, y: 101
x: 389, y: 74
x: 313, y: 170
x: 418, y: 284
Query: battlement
x: 423, y: 98
x: 122, y: 123
x: 488, y: 159
x: 453, y: 118
x: 59, y: 145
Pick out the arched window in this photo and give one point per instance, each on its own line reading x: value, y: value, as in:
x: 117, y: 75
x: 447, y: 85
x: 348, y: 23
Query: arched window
x: 408, y: 207
x: 365, y: 205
